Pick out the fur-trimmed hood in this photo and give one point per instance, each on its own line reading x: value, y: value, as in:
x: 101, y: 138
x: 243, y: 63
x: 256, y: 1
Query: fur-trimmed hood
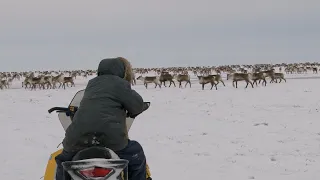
x: 116, y: 66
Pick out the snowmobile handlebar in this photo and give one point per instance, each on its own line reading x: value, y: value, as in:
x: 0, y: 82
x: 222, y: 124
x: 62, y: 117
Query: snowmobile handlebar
x: 58, y: 109
x: 71, y: 110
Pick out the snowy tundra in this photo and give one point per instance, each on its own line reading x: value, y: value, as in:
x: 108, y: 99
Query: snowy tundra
x: 189, y: 134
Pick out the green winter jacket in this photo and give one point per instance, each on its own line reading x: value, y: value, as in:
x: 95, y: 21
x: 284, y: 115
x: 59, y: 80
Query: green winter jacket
x: 102, y: 112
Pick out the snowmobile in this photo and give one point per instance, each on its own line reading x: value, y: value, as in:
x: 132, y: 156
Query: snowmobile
x: 88, y: 163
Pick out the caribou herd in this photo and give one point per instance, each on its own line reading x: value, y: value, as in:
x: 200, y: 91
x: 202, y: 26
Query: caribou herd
x: 44, y: 79
x: 213, y: 75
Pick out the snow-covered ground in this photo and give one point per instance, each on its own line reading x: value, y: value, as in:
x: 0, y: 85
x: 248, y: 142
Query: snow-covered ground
x: 231, y: 134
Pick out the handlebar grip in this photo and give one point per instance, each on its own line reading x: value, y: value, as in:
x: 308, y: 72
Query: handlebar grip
x: 61, y: 109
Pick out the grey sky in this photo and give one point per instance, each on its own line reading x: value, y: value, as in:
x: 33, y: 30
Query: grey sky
x: 71, y: 34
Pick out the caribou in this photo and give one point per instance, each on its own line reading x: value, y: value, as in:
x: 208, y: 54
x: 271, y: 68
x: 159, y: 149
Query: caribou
x: 165, y: 76
x: 36, y: 81
x: 150, y: 79
x: 269, y: 73
x: 183, y: 78
x: 258, y: 76
x: 133, y: 80
x: 67, y: 80
x: 240, y: 77
x: 218, y: 79
x: 277, y: 76
x: 203, y: 80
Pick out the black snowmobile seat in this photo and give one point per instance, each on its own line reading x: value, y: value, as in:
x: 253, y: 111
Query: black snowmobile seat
x: 93, y: 152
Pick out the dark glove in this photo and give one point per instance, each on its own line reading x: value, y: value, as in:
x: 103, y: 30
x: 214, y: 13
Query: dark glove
x: 146, y: 106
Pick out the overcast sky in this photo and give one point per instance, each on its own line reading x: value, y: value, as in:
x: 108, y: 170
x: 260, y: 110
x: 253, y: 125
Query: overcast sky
x: 72, y: 34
